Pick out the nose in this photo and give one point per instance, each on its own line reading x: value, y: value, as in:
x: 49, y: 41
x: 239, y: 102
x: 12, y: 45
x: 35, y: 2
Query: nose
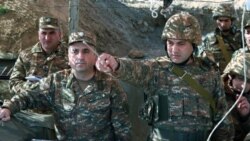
x: 47, y: 37
x: 80, y: 55
x: 175, y: 48
x: 222, y: 23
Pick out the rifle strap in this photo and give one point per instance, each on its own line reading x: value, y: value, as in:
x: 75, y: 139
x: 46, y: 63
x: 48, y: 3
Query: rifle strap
x: 223, y: 49
x: 194, y: 84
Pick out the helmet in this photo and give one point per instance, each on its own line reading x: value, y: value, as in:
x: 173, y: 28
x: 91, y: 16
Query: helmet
x: 182, y: 26
x: 247, y: 24
x: 236, y: 65
x: 224, y: 10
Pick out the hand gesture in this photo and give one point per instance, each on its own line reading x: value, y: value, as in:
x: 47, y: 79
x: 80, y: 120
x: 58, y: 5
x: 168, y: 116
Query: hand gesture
x: 243, y: 106
x: 106, y: 63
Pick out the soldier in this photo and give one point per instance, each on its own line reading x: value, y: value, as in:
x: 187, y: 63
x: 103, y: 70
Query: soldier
x: 185, y: 96
x: 225, y: 39
x: 233, y: 78
x: 247, y: 34
x: 87, y: 104
x: 45, y: 57
x: 247, y: 39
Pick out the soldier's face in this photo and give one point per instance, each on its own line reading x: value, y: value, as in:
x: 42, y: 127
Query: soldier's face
x: 49, y: 38
x: 81, y: 57
x: 179, y: 51
x: 238, y: 84
x: 247, y: 35
x: 224, y: 23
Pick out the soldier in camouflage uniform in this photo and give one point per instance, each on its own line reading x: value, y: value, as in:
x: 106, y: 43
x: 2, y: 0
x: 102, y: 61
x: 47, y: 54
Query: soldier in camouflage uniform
x: 45, y: 57
x: 226, y: 38
x: 176, y: 110
x: 247, y: 40
x: 88, y: 105
x: 233, y: 77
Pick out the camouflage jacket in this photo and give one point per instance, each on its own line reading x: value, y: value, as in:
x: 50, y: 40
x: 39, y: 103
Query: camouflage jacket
x: 34, y: 61
x: 185, y: 109
x: 241, y: 124
x: 94, y: 114
x: 210, y: 45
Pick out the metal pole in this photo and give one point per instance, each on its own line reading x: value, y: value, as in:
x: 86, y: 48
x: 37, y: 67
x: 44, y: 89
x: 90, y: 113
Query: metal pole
x: 73, y: 15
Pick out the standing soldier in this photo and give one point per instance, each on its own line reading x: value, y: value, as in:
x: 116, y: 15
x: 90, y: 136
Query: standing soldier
x: 47, y: 56
x: 185, y: 98
x: 226, y: 38
x: 233, y: 78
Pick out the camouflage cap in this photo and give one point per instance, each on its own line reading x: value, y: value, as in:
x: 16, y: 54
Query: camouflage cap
x: 236, y: 65
x: 224, y: 10
x: 182, y: 26
x: 247, y: 24
x: 85, y: 37
x: 48, y: 22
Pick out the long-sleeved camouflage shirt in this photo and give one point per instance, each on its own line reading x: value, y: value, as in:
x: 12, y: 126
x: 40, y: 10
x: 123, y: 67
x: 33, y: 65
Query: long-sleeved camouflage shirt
x: 183, y: 108
x: 210, y: 45
x: 34, y: 61
x: 96, y: 113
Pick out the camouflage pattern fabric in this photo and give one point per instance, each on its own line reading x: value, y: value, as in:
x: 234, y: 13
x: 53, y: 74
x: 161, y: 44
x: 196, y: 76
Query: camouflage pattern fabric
x: 49, y: 22
x: 184, y: 111
x: 247, y: 24
x: 94, y: 114
x: 210, y: 45
x: 85, y: 37
x: 236, y: 67
x: 182, y: 26
x: 33, y: 61
x: 224, y: 10
x: 240, y: 52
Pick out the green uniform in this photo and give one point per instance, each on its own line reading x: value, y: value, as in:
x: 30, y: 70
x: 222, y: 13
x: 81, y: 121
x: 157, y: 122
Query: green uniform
x: 178, y: 112
x: 236, y: 67
x: 212, y: 46
x: 34, y: 61
x: 94, y: 114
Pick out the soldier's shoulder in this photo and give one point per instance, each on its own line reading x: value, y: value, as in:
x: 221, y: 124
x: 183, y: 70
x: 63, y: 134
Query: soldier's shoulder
x: 162, y: 60
x: 207, y: 63
x: 211, y: 37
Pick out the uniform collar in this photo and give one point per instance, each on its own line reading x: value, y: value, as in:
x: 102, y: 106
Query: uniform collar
x: 37, y: 48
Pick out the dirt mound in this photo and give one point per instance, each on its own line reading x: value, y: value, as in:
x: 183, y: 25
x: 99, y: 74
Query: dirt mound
x: 119, y: 28
x: 119, y: 25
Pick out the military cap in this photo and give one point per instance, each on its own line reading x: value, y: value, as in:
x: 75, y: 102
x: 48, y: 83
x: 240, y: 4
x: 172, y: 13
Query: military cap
x: 48, y: 22
x: 247, y: 24
x: 84, y: 36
